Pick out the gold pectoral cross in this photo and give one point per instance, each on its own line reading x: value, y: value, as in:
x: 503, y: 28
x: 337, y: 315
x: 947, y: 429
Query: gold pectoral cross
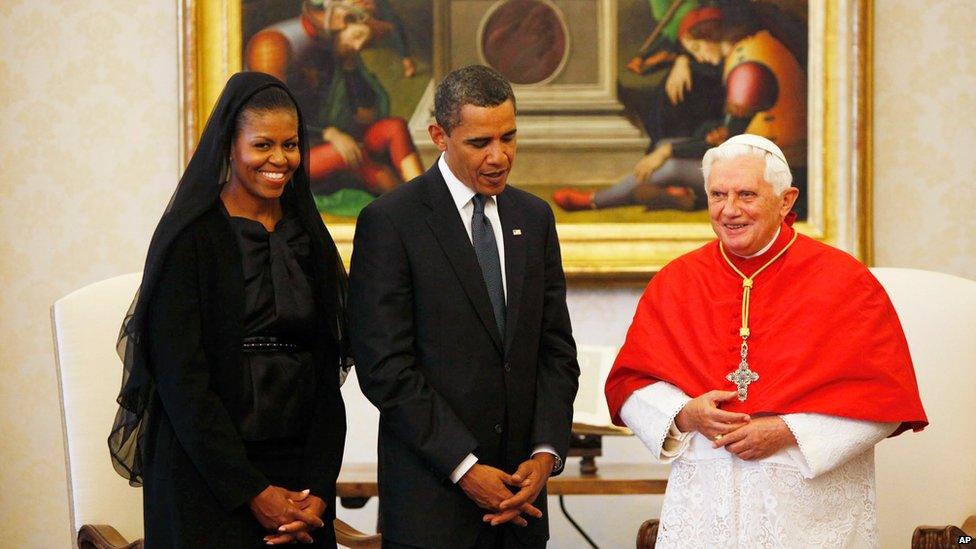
x: 742, y: 376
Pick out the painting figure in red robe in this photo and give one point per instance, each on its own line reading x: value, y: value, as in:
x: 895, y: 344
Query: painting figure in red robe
x: 764, y: 366
x: 765, y: 93
x: 355, y: 143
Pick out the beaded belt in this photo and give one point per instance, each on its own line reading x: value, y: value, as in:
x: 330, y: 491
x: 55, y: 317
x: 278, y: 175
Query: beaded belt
x: 262, y: 344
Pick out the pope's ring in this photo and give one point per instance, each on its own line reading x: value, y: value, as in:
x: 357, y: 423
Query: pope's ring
x: 718, y: 437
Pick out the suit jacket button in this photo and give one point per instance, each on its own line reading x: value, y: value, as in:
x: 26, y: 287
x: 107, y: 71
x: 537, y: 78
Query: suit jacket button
x: 498, y: 428
x: 508, y: 367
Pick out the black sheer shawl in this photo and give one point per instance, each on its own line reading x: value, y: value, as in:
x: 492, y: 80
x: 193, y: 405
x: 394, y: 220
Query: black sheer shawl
x: 197, y: 192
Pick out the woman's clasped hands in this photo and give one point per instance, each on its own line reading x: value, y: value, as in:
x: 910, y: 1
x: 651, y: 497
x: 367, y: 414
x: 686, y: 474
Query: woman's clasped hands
x: 289, y: 516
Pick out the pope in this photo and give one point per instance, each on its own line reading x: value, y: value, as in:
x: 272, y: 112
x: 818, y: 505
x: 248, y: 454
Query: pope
x: 764, y: 366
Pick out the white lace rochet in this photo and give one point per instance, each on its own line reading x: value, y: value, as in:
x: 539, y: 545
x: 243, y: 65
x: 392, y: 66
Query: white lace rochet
x: 819, y: 493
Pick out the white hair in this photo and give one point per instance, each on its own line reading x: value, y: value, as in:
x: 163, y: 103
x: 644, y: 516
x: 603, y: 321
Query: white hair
x: 777, y: 172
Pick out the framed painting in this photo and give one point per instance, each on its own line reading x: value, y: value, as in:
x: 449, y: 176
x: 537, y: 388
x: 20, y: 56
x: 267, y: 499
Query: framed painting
x: 602, y: 86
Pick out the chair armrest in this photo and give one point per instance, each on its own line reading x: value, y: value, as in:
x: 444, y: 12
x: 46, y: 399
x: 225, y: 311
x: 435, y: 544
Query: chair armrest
x: 936, y: 537
x: 350, y: 537
x: 103, y: 536
x: 647, y: 534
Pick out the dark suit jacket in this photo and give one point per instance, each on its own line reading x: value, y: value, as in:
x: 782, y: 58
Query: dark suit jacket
x: 430, y: 357
x: 197, y: 474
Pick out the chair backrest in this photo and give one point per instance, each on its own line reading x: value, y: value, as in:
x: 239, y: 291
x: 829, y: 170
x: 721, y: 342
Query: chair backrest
x: 930, y: 477
x: 86, y: 327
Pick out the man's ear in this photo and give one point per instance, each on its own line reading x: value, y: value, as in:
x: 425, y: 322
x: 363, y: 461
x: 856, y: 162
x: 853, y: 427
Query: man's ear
x: 438, y: 136
x: 789, y: 198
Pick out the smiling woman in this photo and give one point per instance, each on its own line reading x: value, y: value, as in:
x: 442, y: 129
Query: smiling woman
x: 231, y: 416
x: 264, y: 155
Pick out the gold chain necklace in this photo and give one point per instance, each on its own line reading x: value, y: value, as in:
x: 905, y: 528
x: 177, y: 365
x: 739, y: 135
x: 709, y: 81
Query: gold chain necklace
x: 742, y: 376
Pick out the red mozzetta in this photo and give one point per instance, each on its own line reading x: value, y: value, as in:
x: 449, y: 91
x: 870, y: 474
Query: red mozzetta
x: 824, y: 337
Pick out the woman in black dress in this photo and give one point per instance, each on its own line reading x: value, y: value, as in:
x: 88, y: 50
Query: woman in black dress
x: 230, y: 412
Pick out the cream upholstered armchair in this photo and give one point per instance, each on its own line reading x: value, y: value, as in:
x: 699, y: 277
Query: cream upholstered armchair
x: 105, y: 511
x: 930, y: 477
x: 86, y: 327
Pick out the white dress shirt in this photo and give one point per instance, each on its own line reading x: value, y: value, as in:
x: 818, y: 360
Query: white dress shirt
x: 463, y: 196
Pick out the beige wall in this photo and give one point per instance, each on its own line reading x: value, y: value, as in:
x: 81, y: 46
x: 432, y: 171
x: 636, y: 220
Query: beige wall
x: 89, y: 122
x: 925, y: 140
x: 89, y: 118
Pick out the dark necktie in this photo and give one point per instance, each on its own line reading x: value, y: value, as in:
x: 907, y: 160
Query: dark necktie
x: 486, y: 249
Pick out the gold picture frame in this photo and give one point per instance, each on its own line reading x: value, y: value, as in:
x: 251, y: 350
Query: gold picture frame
x: 839, y: 126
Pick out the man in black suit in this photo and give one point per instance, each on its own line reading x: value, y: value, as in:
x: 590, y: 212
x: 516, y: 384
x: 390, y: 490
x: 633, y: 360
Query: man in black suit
x: 461, y: 335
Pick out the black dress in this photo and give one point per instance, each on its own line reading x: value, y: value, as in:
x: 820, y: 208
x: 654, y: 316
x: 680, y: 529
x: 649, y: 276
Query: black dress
x: 278, y: 370
x: 270, y: 405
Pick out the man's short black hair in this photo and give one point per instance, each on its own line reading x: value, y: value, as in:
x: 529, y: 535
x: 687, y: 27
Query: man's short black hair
x: 475, y: 85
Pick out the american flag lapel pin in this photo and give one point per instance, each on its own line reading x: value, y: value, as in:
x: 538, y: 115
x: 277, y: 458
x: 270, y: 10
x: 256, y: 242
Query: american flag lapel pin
x: 517, y: 232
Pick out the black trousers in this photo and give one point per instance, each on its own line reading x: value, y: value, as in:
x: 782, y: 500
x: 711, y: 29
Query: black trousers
x: 500, y: 537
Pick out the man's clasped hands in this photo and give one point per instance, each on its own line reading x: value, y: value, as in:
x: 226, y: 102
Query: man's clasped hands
x: 488, y: 487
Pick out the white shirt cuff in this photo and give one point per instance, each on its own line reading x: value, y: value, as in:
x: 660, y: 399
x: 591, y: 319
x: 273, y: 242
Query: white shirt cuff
x: 544, y: 448
x: 466, y: 464
x: 557, y: 464
x: 650, y: 413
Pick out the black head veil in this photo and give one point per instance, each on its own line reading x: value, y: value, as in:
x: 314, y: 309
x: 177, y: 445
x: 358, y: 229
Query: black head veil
x: 197, y: 192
